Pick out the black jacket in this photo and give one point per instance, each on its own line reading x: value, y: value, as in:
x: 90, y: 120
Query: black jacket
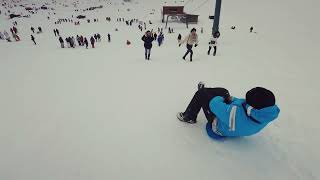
x: 147, y: 41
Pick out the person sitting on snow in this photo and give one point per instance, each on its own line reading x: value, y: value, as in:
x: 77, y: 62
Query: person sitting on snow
x: 231, y: 116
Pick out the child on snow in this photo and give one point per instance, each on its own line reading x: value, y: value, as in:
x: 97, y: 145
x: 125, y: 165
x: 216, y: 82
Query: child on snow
x: 230, y: 116
x: 213, y: 44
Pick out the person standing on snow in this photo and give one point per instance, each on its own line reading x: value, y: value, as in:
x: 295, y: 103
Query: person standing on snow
x: 33, y: 39
x: 191, y: 39
x: 160, y: 39
x: 92, y: 41
x: 86, y: 42
x: 229, y: 116
x: 109, y: 37
x: 179, y: 38
x: 147, y: 38
x: 61, y: 42
x: 213, y: 44
x: 32, y: 29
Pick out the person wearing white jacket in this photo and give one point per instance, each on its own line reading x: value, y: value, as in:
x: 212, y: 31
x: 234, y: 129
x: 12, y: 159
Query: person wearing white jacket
x: 191, y: 39
x: 213, y: 44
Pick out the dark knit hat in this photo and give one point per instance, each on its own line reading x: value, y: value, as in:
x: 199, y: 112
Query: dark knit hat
x: 193, y: 29
x: 260, y: 97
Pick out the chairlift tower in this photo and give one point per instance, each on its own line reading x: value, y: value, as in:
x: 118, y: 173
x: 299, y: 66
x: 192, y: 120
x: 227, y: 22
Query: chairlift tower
x: 216, y: 20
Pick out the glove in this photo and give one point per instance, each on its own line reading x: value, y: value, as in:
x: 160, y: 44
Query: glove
x: 195, y: 45
x: 179, y: 45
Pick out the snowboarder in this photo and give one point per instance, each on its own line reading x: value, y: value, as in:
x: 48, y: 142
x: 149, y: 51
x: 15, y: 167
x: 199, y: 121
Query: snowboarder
x: 251, y: 29
x: 213, y: 44
x: 109, y: 37
x: 160, y: 39
x: 230, y: 116
x: 32, y: 29
x: 86, y: 42
x: 147, y: 38
x: 92, y: 41
x: 61, y: 42
x: 191, y: 39
x: 33, y: 39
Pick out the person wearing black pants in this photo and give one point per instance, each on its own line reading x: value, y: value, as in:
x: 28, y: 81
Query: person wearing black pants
x: 147, y: 38
x: 201, y: 99
x: 191, y: 39
x: 213, y: 44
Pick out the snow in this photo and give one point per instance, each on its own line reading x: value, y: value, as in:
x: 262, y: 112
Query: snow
x: 106, y: 113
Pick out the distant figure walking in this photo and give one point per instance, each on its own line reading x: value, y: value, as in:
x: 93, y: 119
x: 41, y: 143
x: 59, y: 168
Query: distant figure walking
x: 33, y: 39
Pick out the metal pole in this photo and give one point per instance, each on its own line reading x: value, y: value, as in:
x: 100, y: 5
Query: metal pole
x: 216, y: 19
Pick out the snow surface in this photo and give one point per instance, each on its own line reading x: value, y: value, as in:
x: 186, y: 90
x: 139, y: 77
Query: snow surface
x: 106, y: 113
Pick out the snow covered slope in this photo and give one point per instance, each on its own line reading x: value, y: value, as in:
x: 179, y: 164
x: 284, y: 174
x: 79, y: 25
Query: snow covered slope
x: 106, y: 113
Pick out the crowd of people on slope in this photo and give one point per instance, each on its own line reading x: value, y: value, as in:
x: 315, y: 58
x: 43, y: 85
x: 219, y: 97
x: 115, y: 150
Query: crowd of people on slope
x: 80, y: 40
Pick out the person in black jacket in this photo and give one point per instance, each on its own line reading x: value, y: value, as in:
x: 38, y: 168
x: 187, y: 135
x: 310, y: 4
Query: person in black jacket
x: 61, y: 42
x: 147, y: 38
x: 92, y: 41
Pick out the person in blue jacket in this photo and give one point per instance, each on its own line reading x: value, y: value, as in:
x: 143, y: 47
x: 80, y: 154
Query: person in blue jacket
x: 231, y: 116
x: 160, y: 39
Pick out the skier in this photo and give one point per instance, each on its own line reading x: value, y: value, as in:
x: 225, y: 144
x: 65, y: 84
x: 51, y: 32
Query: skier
x: 92, y: 41
x: 95, y: 37
x: 191, y: 39
x: 147, y: 38
x: 109, y: 37
x: 230, y: 116
x: 32, y: 29
x: 179, y: 38
x: 61, y: 42
x: 213, y: 44
x: 54, y: 31
x: 160, y: 39
x: 86, y: 42
x: 32, y: 39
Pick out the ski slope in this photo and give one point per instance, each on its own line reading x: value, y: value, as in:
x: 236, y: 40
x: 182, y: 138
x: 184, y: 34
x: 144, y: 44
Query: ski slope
x: 106, y: 113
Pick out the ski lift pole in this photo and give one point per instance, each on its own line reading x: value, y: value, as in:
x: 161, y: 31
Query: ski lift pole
x: 216, y: 20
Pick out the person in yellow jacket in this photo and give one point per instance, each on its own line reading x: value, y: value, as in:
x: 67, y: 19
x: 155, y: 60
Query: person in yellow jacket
x: 191, y: 39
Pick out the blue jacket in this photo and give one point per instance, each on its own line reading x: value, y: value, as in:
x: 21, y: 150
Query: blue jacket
x: 240, y: 119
